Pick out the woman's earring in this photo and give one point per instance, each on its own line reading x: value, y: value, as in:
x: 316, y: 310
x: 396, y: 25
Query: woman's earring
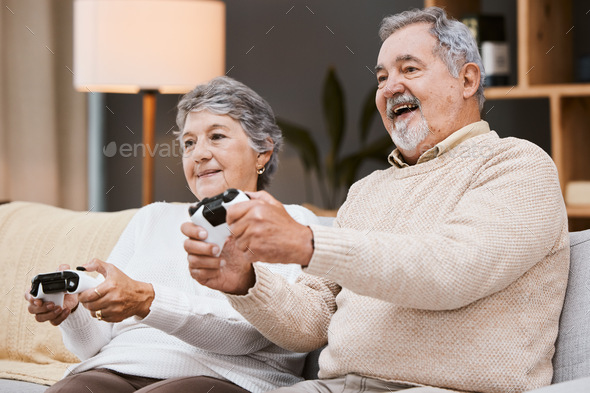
x: 261, y: 170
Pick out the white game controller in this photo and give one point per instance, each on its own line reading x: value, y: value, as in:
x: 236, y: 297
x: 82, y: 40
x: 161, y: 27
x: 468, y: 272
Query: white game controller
x: 52, y: 287
x: 210, y: 214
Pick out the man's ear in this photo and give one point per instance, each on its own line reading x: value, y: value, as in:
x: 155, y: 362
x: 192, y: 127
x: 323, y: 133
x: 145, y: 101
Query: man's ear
x: 470, y: 74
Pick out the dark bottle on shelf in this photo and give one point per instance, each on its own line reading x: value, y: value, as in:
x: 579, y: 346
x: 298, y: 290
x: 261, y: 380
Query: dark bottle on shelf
x: 490, y: 34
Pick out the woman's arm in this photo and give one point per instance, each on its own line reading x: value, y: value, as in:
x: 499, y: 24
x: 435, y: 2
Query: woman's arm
x: 82, y: 334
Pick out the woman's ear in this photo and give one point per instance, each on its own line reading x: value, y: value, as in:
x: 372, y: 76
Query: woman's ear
x: 470, y: 74
x: 264, y: 157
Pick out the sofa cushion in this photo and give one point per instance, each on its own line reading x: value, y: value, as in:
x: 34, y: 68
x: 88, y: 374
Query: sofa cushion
x: 37, y: 238
x: 572, y: 349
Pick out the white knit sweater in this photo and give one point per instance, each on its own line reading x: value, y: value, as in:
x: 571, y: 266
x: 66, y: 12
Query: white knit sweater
x: 449, y: 273
x: 191, y: 329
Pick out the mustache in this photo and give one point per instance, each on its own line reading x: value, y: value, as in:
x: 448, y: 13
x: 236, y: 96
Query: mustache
x: 401, y: 99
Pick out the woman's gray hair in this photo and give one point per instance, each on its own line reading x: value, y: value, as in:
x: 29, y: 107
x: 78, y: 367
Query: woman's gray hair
x: 456, y: 45
x: 226, y: 96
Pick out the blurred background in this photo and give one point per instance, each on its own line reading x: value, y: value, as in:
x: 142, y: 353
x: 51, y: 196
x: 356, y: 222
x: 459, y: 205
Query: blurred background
x: 281, y: 49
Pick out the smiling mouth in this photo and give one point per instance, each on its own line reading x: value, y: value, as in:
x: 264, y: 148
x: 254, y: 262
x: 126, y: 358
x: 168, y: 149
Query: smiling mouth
x: 403, y: 109
x: 207, y: 173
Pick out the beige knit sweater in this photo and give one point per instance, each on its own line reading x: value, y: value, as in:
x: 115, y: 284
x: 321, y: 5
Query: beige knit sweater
x: 449, y: 273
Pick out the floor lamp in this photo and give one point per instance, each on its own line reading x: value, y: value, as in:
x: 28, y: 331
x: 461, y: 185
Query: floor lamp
x: 148, y: 46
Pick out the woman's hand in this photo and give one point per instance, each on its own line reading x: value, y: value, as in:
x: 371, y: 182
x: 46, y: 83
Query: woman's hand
x: 48, y: 311
x: 118, y: 297
x: 231, y: 272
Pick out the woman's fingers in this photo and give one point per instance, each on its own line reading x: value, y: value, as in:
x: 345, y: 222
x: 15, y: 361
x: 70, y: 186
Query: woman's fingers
x: 203, y: 276
x: 198, y: 247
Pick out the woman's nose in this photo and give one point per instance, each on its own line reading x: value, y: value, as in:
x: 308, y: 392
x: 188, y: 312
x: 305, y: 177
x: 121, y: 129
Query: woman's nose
x: 201, y: 152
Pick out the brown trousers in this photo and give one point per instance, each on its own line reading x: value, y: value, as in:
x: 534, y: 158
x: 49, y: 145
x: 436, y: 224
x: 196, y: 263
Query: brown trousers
x: 108, y: 381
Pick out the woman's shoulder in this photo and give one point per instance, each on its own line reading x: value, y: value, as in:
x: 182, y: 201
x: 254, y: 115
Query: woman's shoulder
x: 159, y: 211
x: 301, y: 214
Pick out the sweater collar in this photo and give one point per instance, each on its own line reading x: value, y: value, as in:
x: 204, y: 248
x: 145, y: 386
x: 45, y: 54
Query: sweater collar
x: 452, y: 141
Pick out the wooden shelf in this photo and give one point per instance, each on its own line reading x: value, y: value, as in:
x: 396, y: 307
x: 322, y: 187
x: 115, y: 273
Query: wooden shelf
x: 538, y: 91
x: 578, y: 211
x: 545, y: 69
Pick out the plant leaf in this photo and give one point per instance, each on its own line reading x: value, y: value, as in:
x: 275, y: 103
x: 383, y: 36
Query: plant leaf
x: 334, y: 110
x: 377, y: 150
x: 368, y: 113
x: 300, y: 139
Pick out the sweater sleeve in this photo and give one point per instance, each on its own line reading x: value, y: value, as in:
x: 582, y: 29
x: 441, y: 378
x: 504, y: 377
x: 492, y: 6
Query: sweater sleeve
x: 83, y: 335
x: 295, y: 315
x: 510, y: 217
x: 202, y: 320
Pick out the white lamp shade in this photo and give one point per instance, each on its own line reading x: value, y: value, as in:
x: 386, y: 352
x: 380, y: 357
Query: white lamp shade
x: 130, y: 45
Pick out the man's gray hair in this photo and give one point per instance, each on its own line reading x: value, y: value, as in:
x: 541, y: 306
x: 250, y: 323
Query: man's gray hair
x: 456, y: 45
x: 226, y: 96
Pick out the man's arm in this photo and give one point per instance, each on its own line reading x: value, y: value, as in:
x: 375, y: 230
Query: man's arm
x: 508, y: 220
x: 293, y: 316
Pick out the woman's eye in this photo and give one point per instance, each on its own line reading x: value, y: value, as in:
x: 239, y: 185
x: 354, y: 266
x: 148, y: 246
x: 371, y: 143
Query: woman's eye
x: 216, y: 136
x: 188, y: 144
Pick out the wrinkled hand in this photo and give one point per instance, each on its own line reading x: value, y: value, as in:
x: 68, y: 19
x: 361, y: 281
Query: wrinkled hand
x: 48, y: 311
x: 120, y: 296
x: 263, y: 227
x: 231, y: 272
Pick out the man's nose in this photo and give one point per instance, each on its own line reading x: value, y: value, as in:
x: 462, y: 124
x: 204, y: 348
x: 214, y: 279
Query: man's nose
x: 393, y: 86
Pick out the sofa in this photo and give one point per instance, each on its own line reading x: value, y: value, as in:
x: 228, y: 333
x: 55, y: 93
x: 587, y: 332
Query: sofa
x: 36, y: 238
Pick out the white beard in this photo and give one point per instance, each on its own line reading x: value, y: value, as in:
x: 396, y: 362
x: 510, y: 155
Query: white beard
x: 406, y: 137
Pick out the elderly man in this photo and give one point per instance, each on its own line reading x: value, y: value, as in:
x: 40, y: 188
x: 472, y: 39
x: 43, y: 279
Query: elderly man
x: 445, y: 271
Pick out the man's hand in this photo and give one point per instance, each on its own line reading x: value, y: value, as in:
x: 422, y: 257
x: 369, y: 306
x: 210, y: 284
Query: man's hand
x: 48, y: 311
x: 263, y: 227
x: 231, y: 272
x: 120, y: 296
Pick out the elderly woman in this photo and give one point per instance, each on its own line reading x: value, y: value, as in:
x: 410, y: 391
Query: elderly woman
x: 149, y: 327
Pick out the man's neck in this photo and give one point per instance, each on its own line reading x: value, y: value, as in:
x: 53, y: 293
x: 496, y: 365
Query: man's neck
x: 411, y: 157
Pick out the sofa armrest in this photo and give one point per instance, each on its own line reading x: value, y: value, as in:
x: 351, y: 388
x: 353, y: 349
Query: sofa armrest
x: 37, y: 238
x: 576, y: 386
x: 572, y: 348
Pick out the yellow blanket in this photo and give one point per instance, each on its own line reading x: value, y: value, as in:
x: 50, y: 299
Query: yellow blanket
x: 36, y: 238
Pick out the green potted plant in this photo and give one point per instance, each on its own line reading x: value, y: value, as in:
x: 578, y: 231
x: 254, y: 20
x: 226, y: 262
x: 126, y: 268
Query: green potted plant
x: 335, y: 172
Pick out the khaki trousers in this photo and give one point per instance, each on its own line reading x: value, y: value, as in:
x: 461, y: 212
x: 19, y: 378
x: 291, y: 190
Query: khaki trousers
x: 354, y: 384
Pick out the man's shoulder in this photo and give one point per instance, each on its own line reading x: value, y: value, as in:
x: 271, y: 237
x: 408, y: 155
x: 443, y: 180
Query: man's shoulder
x: 517, y: 149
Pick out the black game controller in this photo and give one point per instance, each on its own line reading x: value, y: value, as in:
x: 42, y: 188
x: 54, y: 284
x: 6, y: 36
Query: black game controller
x: 210, y: 214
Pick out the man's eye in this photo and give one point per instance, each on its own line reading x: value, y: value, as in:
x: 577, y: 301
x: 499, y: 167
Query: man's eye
x: 381, y: 80
x: 410, y: 69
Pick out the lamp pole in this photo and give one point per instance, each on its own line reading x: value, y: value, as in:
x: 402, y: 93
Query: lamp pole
x: 149, y: 126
